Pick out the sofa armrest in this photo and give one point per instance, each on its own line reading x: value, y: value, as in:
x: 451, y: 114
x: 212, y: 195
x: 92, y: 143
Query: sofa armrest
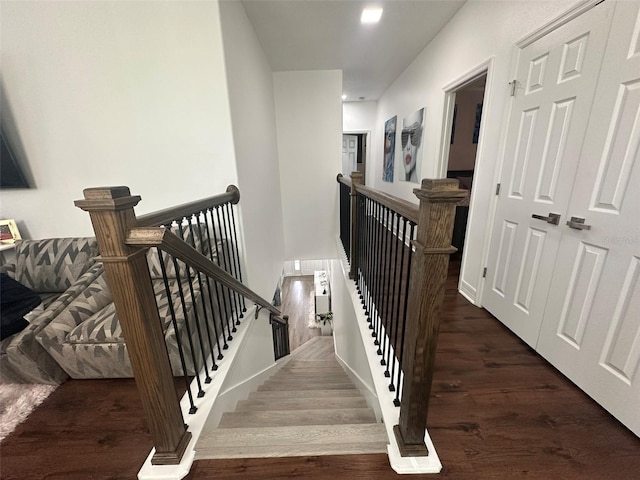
x: 26, y: 355
x: 92, y: 299
x: 9, y: 269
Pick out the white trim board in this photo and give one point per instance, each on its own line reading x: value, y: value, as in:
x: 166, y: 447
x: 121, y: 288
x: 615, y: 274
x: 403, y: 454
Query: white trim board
x: 562, y: 19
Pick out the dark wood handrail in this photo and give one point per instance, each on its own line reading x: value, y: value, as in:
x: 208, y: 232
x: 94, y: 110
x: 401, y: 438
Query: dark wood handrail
x: 168, y: 215
x: 163, y: 238
x: 342, y: 179
x: 282, y: 320
x: 406, y: 209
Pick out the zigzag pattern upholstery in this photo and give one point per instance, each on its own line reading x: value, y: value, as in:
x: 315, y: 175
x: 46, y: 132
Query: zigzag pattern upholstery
x: 54, y: 264
x: 86, y: 337
x: 22, y: 358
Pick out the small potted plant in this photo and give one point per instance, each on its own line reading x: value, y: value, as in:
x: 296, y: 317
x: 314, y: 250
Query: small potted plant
x: 324, y: 321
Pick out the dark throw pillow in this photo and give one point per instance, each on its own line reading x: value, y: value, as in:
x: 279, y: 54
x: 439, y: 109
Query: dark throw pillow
x: 16, y: 301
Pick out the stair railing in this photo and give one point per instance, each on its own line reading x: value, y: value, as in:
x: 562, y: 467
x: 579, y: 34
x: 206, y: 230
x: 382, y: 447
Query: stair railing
x: 197, y: 263
x: 399, y: 254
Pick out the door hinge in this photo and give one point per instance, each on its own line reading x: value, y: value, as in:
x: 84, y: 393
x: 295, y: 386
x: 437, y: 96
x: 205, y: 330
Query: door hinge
x: 498, y: 189
x: 484, y: 272
x: 513, y: 84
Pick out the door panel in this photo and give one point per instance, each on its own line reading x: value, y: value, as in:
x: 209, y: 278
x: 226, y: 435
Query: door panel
x: 591, y: 327
x: 557, y: 77
x: 349, y: 154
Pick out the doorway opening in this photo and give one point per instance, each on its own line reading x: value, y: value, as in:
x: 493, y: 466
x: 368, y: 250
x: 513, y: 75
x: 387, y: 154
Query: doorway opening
x: 354, y: 153
x: 464, y: 103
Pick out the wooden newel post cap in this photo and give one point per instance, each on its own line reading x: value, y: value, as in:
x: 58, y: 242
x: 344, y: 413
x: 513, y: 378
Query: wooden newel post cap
x: 440, y: 190
x: 107, y: 198
x: 356, y: 177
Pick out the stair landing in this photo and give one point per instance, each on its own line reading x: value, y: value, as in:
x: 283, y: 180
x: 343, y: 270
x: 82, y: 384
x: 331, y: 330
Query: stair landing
x: 309, y: 407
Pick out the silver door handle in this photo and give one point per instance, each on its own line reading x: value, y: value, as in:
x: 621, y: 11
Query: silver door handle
x: 577, y: 223
x: 553, y: 218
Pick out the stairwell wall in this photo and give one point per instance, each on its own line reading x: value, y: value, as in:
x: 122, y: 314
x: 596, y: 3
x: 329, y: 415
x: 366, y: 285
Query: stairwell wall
x: 346, y: 335
x: 252, y: 105
x: 309, y: 126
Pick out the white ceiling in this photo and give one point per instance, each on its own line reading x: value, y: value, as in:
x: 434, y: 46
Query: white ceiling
x: 327, y: 35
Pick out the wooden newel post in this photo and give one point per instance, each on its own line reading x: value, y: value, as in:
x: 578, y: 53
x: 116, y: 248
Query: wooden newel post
x: 356, y: 179
x: 112, y: 215
x: 438, y: 199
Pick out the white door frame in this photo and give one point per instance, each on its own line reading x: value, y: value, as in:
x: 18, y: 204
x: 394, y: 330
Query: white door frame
x: 484, y: 68
x: 368, y: 151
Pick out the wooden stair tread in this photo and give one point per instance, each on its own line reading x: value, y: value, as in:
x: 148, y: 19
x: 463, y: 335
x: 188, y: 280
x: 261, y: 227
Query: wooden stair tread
x: 292, y: 441
x: 318, y: 434
x: 307, y: 403
x: 247, y: 451
x: 309, y: 386
x: 309, y: 377
x: 275, y: 418
x: 278, y: 394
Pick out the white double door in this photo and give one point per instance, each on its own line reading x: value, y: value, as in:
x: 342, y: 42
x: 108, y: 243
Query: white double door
x: 572, y: 292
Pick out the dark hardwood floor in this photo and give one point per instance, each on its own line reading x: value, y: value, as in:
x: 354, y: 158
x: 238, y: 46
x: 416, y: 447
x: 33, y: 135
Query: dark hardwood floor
x: 498, y: 411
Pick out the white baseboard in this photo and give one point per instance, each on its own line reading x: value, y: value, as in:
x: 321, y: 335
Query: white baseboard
x: 468, y: 292
x: 366, y: 389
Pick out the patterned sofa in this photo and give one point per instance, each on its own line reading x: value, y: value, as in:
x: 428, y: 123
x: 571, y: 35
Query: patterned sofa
x: 57, y: 270
x: 86, y: 339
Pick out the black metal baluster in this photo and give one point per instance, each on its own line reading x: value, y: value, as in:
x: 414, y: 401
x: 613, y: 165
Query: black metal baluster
x: 232, y: 267
x: 374, y: 261
x: 207, y: 294
x: 383, y: 276
x: 235, y: 237
x: 396, y: 401
x: 215, y: 285
x: 372, y: 258
x: 396, y: 357
x: 385, y: 287
x: 357, y: 257
x: 192, y: 407
x: 227, y: 262
x: 367, y: 262
x: 345, y: 219
x: 361, y: 246
x: 225, y: 290
x: 194, y: 303
x: 376, y: 318
x: 393, y: 322
x: 186, y: 324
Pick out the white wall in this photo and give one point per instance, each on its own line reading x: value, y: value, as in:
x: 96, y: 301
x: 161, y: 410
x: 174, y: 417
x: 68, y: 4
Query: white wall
x: 251, y: 98
x: 348, y: 342
x: 309, y: 123
x: 480, y: 31
x: 114, y: 93
x: 359, y: 116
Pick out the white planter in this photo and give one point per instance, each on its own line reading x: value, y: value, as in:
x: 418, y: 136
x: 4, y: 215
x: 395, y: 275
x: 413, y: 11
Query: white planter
x: 326, y: 329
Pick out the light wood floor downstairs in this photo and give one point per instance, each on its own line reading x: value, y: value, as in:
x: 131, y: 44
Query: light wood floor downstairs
x: 498, y: 411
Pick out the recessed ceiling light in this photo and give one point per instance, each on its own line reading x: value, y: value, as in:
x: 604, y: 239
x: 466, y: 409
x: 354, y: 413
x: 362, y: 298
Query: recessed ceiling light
x: 371, y: 15
x: 344, y: 96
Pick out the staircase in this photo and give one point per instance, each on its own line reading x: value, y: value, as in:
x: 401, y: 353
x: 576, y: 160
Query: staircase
x: 309, y: 407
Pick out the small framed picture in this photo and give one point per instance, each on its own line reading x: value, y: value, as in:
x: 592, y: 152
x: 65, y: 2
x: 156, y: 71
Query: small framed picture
x: 9, y: 232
